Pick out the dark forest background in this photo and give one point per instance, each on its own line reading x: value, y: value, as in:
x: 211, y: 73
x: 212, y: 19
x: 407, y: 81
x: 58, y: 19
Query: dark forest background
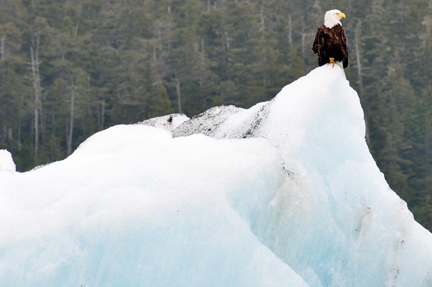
x: 71, y: 68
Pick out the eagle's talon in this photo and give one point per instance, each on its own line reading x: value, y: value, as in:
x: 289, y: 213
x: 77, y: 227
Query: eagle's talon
x: 332, y: 61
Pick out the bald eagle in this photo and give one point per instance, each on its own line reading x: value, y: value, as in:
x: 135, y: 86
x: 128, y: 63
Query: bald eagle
x: 330, y: 41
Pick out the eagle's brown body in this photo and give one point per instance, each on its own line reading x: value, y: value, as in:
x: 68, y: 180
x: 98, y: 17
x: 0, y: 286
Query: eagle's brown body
x: 331, y: 43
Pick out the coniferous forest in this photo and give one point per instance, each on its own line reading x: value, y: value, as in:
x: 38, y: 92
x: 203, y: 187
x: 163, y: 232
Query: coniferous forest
x: 70, y: 68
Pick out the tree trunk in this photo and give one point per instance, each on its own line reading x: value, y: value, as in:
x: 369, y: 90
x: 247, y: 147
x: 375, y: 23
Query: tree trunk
x: 262, y: 23
x: 290, y: 41
x: 71, y: 122
x: 19, y: 122
x: 360, y: 76
x: 303, y: 49
x: 36, y: 85
x: 103, y: 113
x: 359, y: 71
x: 3, y: 47
x: 426, y: 149
x: 77, y: 23
x: 178, y: 94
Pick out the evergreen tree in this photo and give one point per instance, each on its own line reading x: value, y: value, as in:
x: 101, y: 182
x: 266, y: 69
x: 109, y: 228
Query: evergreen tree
x: 160, y: 104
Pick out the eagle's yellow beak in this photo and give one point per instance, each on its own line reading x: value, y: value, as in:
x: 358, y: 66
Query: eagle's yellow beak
x: 342, y: 15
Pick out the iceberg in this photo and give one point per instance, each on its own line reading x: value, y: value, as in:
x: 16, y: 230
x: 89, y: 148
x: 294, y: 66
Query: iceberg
x: 6, y: 161
x: 285, y: 193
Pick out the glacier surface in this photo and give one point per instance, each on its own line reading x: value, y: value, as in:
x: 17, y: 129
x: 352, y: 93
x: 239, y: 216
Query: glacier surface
x: 285, y: 193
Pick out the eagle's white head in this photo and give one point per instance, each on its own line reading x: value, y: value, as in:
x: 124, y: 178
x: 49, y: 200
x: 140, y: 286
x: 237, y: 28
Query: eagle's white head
x: 332, y: 18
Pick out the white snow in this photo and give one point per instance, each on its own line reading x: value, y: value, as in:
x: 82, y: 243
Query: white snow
x: 285, y: 193
x: 6, y: 161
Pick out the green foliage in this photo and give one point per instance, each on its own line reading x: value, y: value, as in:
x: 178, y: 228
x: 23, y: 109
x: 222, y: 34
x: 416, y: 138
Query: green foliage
x: 101, y: 63
x: 160, y: 103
